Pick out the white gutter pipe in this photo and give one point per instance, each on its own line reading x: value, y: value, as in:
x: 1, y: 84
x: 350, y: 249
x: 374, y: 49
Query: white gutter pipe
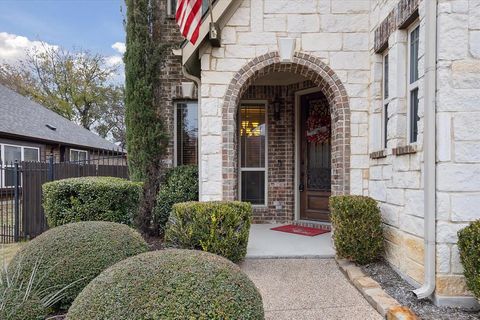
x: 429, y: 147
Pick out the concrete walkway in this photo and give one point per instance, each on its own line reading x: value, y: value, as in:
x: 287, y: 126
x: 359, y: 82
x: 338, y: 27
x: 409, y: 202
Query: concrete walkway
x: 266, y: 243
x: 306, y: 289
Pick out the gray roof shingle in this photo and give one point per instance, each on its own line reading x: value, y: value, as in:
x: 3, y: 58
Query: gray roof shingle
x: 21, y: 116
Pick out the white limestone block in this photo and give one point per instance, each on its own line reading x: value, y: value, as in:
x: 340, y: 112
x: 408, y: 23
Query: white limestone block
x: 303, y: 23
x: 465, y: 125
x: 351, y: 6
x: 355, y: 41
x: 276, y: 23
x: 458, y: 177
x: 350, y: 60
x: 465, y: 207
x: 239, y: 51
x: 289, y: 6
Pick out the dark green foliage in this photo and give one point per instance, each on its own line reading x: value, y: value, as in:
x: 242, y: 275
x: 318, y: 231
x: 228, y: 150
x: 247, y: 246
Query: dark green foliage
x: 170, y: 284
x: 469, y: 247
x: 75, y: 254
x: 146, y: 133
x: 357, y: 224
x: 217, y: 227
x: 181, y: 185
x: 91, y: 199
x: 13, y: 306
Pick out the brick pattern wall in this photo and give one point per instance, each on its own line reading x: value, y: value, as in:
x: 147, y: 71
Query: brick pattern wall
x: 281, y: 151
x: 171, y: 74
x: 323, y: 77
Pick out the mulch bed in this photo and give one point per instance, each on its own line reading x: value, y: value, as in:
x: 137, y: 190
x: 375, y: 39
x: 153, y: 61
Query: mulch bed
x: 399, y: 289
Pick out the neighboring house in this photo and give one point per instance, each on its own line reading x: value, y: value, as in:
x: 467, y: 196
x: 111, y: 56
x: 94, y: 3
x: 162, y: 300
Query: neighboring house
x: 31, y: 132
x: 308, y: 98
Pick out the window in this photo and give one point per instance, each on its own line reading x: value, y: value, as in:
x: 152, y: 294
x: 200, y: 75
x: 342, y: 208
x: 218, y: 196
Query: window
x: 186, y: 133
x: 385, y: 102
x: 253, y: 153
x: 172, y: 6
x: 412, y: 83
x: 11, y: 153
x: 78, y: 155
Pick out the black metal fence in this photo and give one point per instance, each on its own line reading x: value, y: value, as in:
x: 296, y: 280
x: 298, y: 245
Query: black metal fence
x: 21, y: 211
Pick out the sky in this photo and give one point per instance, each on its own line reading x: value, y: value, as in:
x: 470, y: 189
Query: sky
x: 94, y: 25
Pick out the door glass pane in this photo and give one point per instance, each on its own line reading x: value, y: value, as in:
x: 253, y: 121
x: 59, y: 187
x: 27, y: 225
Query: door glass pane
x: 252, y: 136
x: 253, y: 187
x: 414, y: 39
x: 12, y: 154
x: 187, y: 133
x: 30, y: 154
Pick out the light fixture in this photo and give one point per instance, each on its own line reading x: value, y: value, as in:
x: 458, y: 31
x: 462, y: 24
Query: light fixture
x: 286, y: 49
x: 187, y: 89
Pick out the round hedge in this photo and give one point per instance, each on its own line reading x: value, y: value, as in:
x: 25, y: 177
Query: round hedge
x: 91, y: 199
x: 357, y: 226
x: 74, y: 254
x: 14, y: 308
x: 469, y: 248
x: 169, y: 284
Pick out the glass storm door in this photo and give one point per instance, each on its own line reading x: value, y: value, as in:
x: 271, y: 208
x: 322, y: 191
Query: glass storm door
x: 315, y: 157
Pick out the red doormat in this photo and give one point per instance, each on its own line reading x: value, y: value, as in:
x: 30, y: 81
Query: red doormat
x: 304, y: 231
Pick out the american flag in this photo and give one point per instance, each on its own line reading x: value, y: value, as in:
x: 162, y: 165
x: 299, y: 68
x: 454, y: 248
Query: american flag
x: 189, y: 18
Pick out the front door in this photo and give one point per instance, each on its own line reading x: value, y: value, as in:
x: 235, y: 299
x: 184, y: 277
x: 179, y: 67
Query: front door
x: 315, y: 157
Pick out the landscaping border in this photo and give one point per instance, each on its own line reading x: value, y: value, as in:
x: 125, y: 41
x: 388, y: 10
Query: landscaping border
x: 380, y: 300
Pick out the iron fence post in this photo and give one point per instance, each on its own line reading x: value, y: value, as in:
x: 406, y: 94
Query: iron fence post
x: 16, y: 234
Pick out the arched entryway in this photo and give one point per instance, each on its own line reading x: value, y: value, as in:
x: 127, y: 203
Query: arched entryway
x: 321, y: 77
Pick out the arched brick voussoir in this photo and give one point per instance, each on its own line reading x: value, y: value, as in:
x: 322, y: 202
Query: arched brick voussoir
x: 311, y: 68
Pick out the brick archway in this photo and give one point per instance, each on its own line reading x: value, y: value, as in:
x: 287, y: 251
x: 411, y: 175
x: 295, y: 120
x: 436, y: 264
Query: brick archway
x: 312, y: 68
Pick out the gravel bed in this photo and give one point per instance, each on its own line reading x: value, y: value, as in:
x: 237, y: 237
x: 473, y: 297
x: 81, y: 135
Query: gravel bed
x: 399, y: 289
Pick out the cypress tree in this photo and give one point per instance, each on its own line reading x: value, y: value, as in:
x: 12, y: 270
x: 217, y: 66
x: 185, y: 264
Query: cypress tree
x: 147, y: 138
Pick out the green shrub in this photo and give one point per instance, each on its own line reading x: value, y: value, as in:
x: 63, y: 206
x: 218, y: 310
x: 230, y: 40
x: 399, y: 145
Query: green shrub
x: 73, y: 254
x: 469, y: 247
x: 14, y: 307
x: 91, y: 199
x: 217, y: 227
x: 357, y: 224
x: 169, y: 284
x: 181, y: 185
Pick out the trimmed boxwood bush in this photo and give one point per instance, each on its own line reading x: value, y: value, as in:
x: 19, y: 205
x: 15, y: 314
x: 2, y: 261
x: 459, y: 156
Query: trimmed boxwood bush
x: 91, y: 199
x: 181, y: 185
x: 469, y: 247
x: 169, y: 284
x: 15, y: 308
x: 357, y: 223
x: 217, y: 227
x: 75, y: 254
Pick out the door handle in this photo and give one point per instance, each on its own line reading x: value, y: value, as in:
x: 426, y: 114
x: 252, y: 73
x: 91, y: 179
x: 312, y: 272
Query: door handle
x: 301, y: 187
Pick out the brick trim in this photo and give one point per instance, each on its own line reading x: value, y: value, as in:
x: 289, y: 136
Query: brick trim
x: 313, y: 69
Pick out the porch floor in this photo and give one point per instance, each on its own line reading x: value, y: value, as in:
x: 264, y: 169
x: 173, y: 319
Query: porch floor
x: 266, y: 243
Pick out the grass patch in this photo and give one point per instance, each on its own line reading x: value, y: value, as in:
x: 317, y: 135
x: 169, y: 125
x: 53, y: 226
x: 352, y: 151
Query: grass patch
x: 7, y: 251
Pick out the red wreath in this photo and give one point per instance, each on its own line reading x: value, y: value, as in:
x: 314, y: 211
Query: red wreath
x: 318, y: 124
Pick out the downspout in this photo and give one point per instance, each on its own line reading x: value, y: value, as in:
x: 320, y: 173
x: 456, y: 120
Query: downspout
x: 198, y: 81
x: 429, y: 147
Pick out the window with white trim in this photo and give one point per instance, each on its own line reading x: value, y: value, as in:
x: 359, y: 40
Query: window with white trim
x: 78, y: 155
x: 186, y: 133
x: 412, y: 83
x: 11, y: 153
x: 385, y: 101
x: 253, y: 153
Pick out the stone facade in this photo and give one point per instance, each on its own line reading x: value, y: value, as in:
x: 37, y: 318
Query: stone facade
x: 339, y: 47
